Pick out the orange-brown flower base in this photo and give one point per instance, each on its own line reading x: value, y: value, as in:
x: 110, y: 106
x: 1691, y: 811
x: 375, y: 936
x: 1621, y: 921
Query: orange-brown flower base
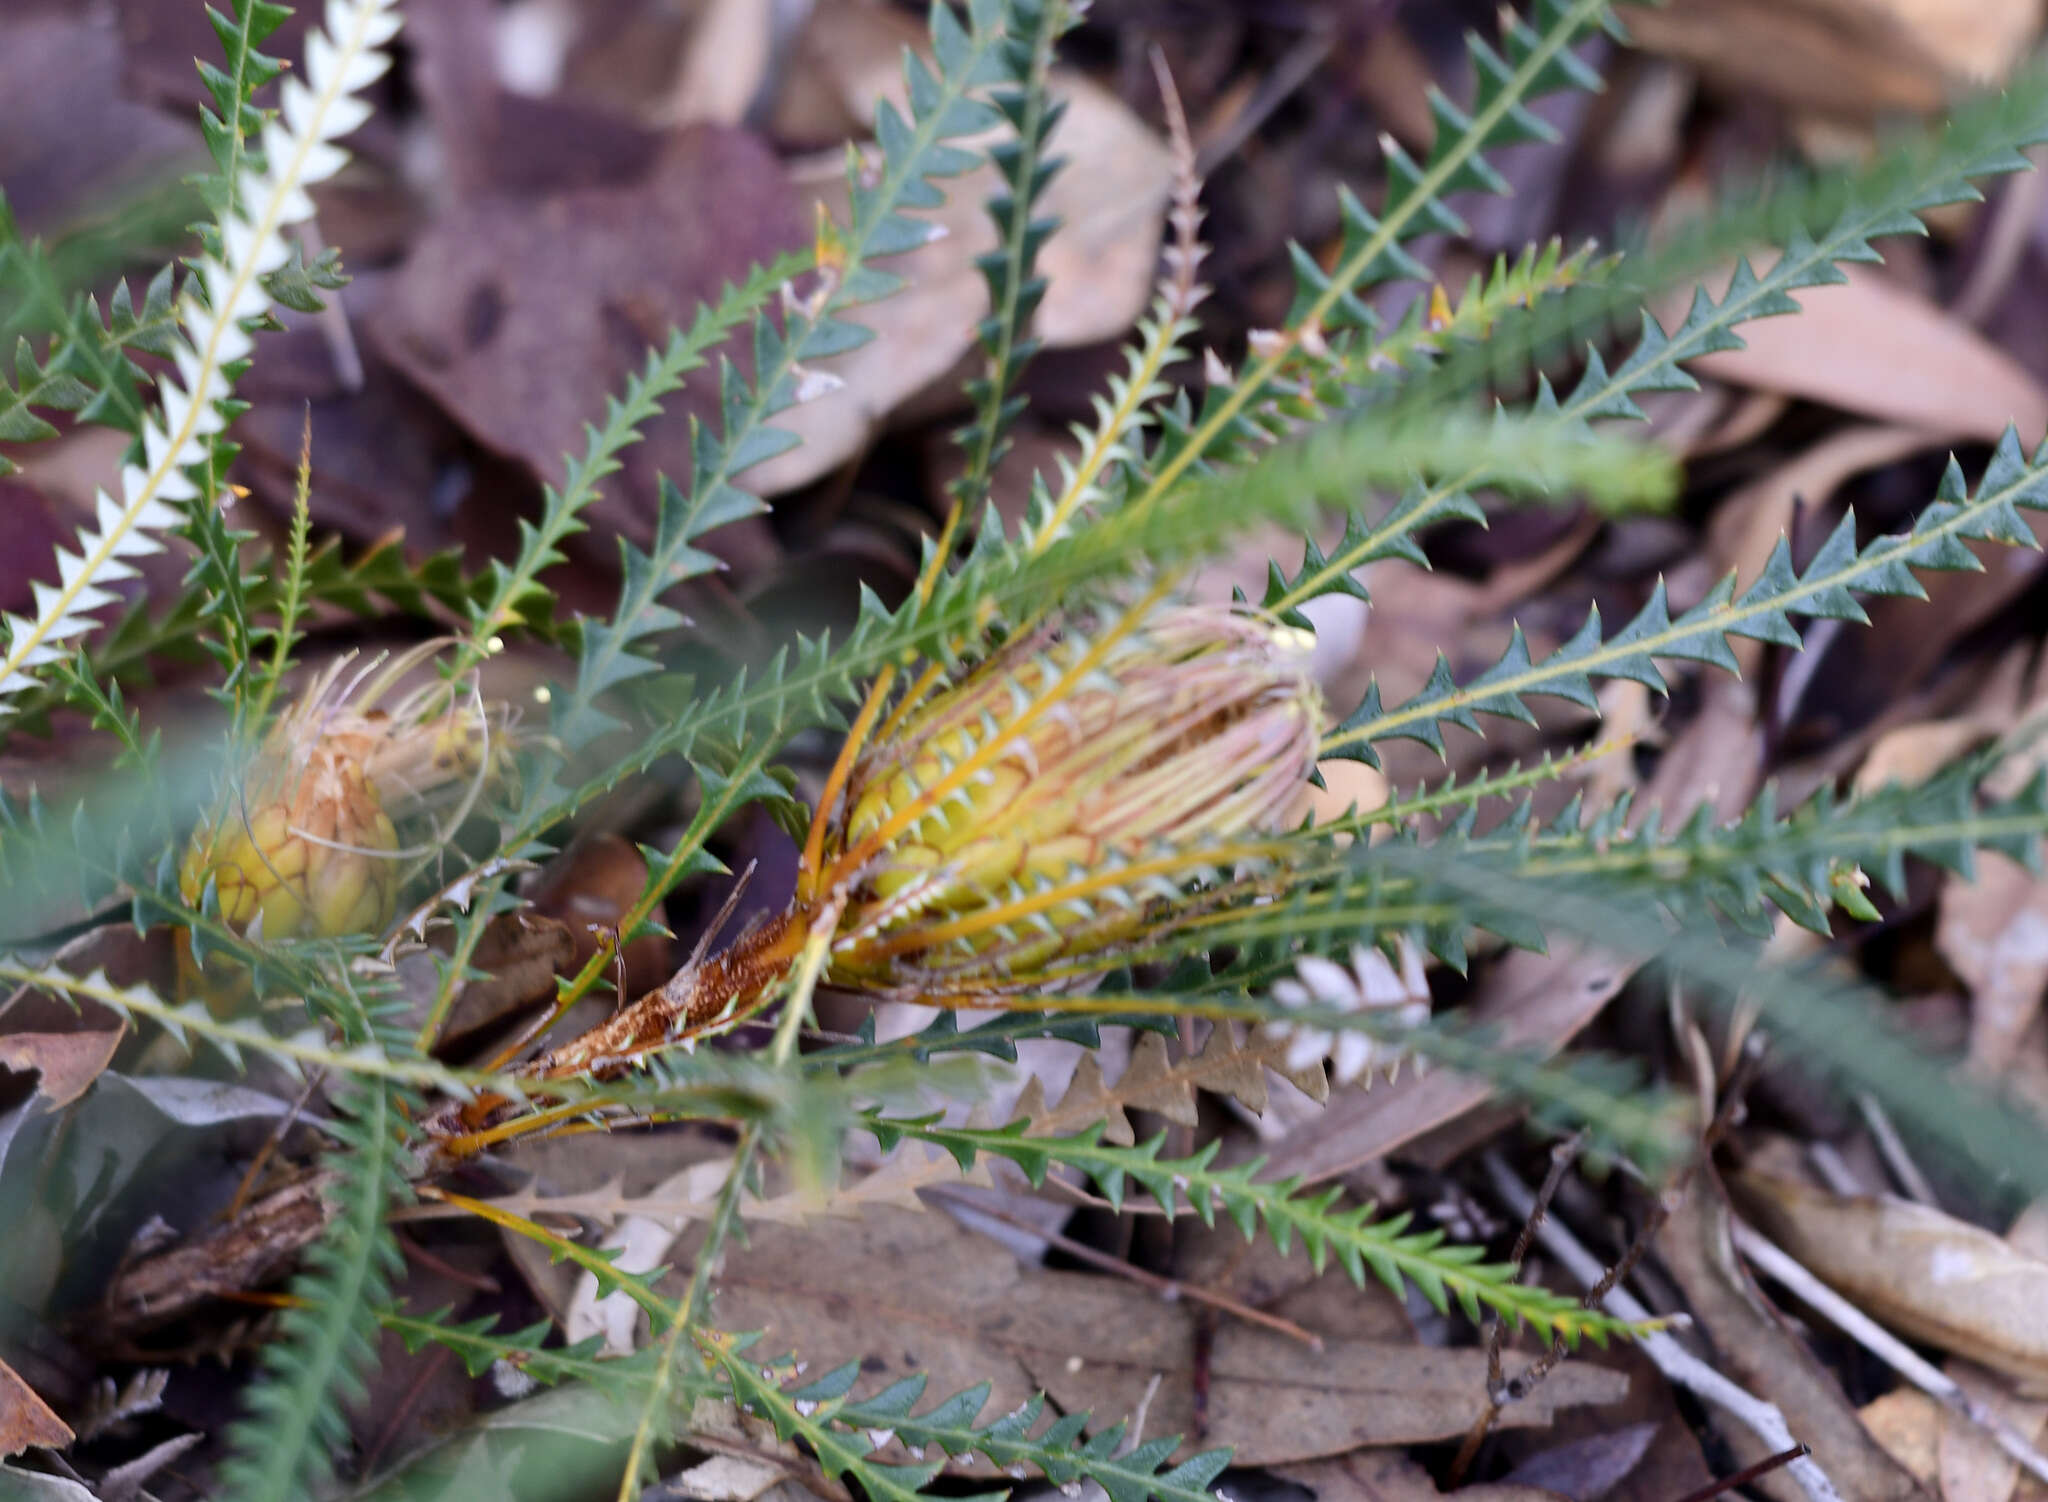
x: 705, y: 995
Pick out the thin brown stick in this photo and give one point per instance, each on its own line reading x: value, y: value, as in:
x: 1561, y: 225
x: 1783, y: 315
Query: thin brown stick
x: 1171, y: 1288
x: 414, y: 1252
x: 1679, y: 1365
x: 1746, y: 1475
x: 1530, y: 1377
x: 270, y: 1143
x: 1562, y: 1156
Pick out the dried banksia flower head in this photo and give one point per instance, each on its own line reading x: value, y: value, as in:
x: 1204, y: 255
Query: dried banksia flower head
x: 1029, y: 819
x: 307, y: 839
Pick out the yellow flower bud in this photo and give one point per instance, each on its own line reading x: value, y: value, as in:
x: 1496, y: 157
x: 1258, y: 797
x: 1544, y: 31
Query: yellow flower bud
x: 1028, y: 821
x: 308, y: 851
x: 306, y: 842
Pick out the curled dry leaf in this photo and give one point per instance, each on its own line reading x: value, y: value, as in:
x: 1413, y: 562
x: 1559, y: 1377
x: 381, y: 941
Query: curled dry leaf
x: 67, y: 1063
x: 25, y: 1419
x: 1923, y: 1272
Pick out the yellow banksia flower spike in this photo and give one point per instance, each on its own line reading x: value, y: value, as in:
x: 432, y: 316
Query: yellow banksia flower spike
x: 1059, y: 799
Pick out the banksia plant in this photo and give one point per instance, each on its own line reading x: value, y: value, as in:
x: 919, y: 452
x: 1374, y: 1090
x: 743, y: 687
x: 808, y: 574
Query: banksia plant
x: 266, y: 168
x: 1056, y: 791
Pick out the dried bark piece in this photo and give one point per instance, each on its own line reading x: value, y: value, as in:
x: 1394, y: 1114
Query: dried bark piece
x: 254, y: 1249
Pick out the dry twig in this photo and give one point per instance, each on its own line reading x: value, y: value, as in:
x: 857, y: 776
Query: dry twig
x: 1672, y: 1359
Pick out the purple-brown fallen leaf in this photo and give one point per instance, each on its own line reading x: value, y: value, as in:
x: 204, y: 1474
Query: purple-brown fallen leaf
x: 1587, y: 1469
x: 519, y: 315
x: 1388, y: 1475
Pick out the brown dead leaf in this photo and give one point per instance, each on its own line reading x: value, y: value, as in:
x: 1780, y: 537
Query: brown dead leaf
x: 1747, y: 525
x: 1110, y: 201
x: 725, y: 65
x: 1913, y: 753
x: 1538, y: 1003
x: 1258, y: 1273
x: 1349, y: 787
x: 1973, y: 1467
x: 1390, y: 1476
x: 1717, y: 759
x: 68, y: 1063
x: 900, y: 1292
x: 1908, y: 1424
x: 1917, y: 1269
x: 520, y: 954
x: 1155, y: 1081
x: 25, y: 1419
x: 1993, y: 932
x: 1852, y: 58
x: 1751, y: 1345
x: 1874, y: 348
x: 693, y: 1194
x: 1974, y: 39
x: 590, y: 887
